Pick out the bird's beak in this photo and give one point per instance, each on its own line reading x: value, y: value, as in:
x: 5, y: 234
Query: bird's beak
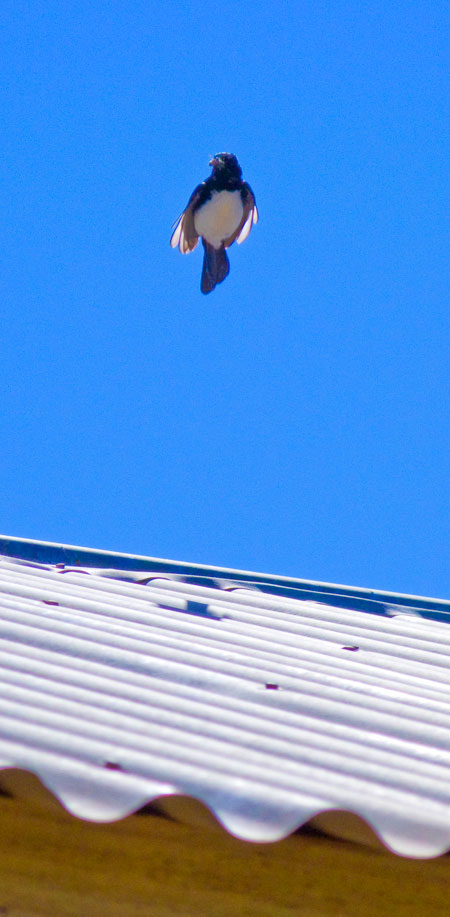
x: 213, y: 161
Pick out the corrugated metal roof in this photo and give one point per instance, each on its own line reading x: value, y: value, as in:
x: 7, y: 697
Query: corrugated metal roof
x: 121, y: 686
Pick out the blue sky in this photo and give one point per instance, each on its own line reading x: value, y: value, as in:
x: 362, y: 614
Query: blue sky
x: 296, y: 420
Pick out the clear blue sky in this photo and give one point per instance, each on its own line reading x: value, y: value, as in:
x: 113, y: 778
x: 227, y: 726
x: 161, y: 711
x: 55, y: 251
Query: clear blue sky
x: 296, y: 420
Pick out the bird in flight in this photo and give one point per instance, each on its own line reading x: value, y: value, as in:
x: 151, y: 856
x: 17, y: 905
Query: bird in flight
x: 222, y: 209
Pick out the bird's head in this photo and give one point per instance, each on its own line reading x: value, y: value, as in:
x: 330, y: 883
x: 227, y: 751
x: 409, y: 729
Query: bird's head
x: 225, y: 163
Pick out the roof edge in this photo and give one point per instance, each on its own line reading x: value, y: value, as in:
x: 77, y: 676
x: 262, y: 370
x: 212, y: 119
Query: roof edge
x: 49, y: 552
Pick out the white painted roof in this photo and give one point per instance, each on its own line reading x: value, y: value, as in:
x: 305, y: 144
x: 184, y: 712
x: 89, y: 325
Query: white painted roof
x: 118, y: 687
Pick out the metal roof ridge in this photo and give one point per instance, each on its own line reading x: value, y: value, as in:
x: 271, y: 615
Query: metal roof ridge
x: 56, y: 552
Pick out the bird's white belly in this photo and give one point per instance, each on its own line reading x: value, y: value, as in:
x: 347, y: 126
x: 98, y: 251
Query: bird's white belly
x: 219, y: 217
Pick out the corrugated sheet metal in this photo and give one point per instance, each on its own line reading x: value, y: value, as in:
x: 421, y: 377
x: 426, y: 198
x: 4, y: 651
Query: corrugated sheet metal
x: 120, y: 687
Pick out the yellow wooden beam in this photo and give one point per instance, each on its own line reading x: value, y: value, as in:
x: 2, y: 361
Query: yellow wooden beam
x: 54, y: 864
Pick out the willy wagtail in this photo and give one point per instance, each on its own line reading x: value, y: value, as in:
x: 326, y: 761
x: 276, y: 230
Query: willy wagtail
x: 220, y: 210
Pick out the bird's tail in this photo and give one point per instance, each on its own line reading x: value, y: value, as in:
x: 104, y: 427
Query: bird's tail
x: 215, y: 267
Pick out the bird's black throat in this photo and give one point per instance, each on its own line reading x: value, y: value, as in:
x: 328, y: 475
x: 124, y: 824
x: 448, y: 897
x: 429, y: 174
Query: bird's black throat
x: 225, y: 180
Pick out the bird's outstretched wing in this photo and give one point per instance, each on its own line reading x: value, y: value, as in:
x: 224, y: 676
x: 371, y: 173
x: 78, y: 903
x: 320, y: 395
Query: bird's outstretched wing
x: 184, y: 234
x: 249, y: 217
